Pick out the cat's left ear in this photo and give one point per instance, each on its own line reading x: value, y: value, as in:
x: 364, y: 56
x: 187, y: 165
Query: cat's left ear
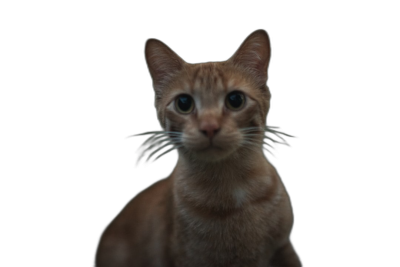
x: 253, y: 55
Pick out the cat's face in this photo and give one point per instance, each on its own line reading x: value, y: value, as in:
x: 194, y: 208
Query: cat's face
x: 215, y: 107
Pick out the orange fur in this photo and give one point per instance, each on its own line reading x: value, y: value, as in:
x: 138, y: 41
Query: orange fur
x: 224, y: 204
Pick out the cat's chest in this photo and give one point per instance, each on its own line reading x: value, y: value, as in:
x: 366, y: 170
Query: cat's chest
x: 243, y: 236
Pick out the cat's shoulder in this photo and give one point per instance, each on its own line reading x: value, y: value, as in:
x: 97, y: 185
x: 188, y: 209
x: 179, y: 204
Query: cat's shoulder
x: 144, y: 204
x: 138, y: 221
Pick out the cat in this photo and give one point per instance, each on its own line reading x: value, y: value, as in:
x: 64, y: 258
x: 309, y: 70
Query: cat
x: 224, y: 204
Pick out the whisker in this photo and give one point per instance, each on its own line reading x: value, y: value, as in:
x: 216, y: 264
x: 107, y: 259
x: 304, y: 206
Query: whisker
x: 158, y: 149
x: 272, y: 127
x: 265, y: 143
x: 249, y: 132
x: 280, y: 137
x: 155, y: 133
x: 275, y: 141
x: 153, y: 140
x: 269, y: 129
x: 254, y: 145
x: 279, y: 132
x: 149, y: 148
x: 262, y: 142
x: 250, y: 129
x: 159, y: 142
x: 169, y: 150
x: 265, y: 137
x: 269, y: 151
x: 250, y: 135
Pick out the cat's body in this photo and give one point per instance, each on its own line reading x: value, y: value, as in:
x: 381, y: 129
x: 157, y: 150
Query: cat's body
x: 224, y: 204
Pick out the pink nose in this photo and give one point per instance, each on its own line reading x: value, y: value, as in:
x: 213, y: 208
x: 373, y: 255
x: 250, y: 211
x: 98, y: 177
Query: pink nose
x: 209, y: 128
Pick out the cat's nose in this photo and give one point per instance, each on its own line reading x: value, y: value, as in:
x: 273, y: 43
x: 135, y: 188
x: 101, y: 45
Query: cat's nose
x: 209, y: 128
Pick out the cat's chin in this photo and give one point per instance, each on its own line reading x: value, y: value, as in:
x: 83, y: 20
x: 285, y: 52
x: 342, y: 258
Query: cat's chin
x: 212, y: 154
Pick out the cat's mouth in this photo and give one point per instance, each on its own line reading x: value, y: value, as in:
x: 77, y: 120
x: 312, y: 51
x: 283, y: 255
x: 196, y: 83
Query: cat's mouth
x: 211, y: 147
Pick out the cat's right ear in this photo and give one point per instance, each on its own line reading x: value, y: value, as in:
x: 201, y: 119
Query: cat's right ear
x: 162, y: 62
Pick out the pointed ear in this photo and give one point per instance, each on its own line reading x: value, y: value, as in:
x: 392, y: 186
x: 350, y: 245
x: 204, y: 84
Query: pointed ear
x: 254, y: 55
x: 162, y: 62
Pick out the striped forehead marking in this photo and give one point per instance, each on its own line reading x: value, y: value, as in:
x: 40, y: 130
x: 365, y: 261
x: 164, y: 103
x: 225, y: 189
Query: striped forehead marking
x: 209, y: 78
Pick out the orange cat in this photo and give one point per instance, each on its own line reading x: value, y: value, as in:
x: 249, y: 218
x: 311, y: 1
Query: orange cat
x: 224, y: 204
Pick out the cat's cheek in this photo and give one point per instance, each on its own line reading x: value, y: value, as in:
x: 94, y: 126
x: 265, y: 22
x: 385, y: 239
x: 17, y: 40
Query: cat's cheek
x: 175, y: 121
x: 249, y: 116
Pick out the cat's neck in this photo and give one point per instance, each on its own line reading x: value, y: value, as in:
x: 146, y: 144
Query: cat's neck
x: 232, y: 168
x: 229, y: 183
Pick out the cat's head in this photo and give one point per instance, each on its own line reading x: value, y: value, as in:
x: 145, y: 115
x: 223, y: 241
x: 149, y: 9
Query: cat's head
x: 212, y: 109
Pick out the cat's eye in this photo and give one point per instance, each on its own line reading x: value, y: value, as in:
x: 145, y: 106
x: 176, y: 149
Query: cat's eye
x: 184, y: 104
x: 235, y: 100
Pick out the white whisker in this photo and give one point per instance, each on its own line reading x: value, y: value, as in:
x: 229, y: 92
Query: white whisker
x: 169, y: 150
x: 158, y: 141
x: 158, y: 149
x: 158, y: 132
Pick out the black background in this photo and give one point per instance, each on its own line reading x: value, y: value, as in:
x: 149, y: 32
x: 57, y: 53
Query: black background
x: 104, y: 93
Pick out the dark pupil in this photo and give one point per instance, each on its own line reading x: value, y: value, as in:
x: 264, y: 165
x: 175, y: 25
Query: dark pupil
x: 235, y: 100
x: 184, y: 103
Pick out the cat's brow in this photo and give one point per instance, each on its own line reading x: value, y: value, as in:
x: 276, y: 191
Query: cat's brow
x: 194, y: 79
x: 208, y: 77
x: 223, y: 79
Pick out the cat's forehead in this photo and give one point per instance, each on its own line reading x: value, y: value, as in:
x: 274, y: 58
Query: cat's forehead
x: 213, y: 79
